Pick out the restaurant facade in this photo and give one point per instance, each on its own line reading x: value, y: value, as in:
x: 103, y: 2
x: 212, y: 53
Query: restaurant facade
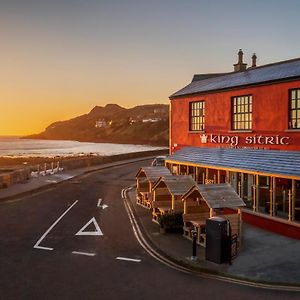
x: 243, y: 128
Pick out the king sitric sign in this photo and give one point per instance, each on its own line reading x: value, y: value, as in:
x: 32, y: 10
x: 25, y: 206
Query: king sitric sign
x: 234, y: 140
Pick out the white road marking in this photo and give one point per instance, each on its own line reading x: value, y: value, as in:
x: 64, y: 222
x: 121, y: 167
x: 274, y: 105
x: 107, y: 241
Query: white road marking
x: 37, y: 245
x: 100, y: 205
x: 128, y: 259
x: 97, y: 232
x: 84, y: 253
x: 99, y: 202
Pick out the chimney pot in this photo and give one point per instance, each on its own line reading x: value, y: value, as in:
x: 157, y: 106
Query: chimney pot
x: 254, y: 57
x: 240, y: 66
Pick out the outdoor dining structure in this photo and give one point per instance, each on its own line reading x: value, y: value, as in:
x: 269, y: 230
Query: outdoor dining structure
x: 167, y: 194
x: 178, y: 201
x: 203, y: 201
x: 145, y: 179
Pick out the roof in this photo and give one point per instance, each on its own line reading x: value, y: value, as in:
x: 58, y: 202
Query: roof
x: 206, y: 76
x: 153, y: 173
x: 268, y: 162
x: 177, y: 184
x: 268, y: 73
x: 219, y: 195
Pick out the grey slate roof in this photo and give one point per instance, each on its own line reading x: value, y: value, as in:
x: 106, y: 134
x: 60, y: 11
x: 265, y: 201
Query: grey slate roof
x: 220, y: 195
x: 280, y: 163
x: 267, y: 73
x: 153, y: 173
x: 178, y: 184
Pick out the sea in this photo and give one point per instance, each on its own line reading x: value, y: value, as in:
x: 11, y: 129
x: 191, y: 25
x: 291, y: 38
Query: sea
x: 16, y: 147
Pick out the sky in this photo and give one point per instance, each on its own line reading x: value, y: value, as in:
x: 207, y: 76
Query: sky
x: 60, y: 58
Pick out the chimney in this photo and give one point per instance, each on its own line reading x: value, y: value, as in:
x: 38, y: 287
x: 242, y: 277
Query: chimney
x: 240, y: 66
x: 254, y: 57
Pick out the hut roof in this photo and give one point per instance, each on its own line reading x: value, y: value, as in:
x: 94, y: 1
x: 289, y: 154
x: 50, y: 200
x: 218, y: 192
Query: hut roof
x: 177, y: 184
x: 218, y: 195
x: 154, y: 173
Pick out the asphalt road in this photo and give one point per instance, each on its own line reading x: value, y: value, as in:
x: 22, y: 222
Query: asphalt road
x: 95, y: 273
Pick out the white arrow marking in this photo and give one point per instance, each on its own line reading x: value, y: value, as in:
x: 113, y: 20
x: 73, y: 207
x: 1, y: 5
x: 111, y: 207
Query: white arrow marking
x: 37, y: 245
x: 128, y: 259
x: 97, y: 232
x: 99, y: 202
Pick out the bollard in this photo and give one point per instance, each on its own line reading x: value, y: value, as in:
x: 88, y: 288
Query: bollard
x: 194, y: 254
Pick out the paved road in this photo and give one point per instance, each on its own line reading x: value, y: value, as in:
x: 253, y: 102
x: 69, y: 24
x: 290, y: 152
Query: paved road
x: 30, y: 273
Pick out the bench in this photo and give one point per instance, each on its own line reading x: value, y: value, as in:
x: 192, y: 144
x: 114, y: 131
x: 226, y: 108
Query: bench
x: 187, y: 222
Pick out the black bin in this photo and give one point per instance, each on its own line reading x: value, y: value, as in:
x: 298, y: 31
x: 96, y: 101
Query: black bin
x: 217, y: 240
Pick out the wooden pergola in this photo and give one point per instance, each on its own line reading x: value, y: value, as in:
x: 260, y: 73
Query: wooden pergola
x: 167, y: 193
x: 145, y: 179
x: 207, y: 200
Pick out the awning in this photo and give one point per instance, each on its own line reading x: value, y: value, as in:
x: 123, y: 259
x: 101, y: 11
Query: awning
x: 266, y: 162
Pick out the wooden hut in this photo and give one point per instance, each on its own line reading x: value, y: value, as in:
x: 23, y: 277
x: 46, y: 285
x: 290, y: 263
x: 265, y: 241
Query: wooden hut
x: 145, y: 179
x: 167, y: 193
x: 206, y: 200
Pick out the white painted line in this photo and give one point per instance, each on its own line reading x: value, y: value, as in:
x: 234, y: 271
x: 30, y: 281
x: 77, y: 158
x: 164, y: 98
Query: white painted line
x: 104, y: 206
x: 37, y: 245
x: 128, y: 259
x: 84, y: 253
x: 96, y: 232
x: 99, y: 202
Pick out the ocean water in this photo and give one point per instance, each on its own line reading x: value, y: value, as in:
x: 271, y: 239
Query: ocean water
x: 15, y: 147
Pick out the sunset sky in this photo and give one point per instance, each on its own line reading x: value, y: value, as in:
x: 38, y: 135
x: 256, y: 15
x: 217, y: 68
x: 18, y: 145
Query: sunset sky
x: 60, y: 58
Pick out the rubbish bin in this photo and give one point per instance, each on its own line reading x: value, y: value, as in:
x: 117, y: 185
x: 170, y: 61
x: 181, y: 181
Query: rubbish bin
x: 218, y: 240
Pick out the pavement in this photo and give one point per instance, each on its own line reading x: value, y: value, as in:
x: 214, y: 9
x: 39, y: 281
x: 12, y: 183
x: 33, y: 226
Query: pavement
x: 264, y: 258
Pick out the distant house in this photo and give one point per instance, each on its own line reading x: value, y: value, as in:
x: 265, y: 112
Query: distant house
x: 101, y: 124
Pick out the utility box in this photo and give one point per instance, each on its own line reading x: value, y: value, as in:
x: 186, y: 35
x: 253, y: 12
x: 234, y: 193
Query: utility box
x: 217, y: 240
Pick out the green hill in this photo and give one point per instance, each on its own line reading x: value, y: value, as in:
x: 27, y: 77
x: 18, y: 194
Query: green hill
x: 144, y: 124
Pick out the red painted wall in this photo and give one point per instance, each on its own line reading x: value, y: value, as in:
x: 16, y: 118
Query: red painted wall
x: 269, y: 113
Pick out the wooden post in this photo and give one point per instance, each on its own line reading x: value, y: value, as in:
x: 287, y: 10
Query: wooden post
x: 274, y: 196
x: 203, y: 177
x: 257, y: 191
x: 290, y: 205
x: 240, y: 226
x: 254, y: 197
x: 242, y: 186
x: 227, y: 177
x: 179, y: 169
x: 215, y: 179
x: 211, y: 212
x: 173, y: 203
x: 219, y: 177
x: 185, y: 206
x: 293, y: 199
x: 197, y: 174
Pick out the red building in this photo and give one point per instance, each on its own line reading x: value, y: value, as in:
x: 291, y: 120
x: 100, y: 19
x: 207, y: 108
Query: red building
x: 243, y: 127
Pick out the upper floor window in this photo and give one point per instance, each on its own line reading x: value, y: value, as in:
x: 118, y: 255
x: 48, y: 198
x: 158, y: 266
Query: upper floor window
x: 242, y: 113
x: 294, y: 109
x: 197, y: 116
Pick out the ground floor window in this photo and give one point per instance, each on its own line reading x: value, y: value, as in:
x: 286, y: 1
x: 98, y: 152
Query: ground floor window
x: 277, y: 197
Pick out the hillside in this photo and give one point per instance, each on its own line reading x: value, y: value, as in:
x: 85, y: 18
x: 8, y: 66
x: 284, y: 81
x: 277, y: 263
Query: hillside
x: 144, y: 124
